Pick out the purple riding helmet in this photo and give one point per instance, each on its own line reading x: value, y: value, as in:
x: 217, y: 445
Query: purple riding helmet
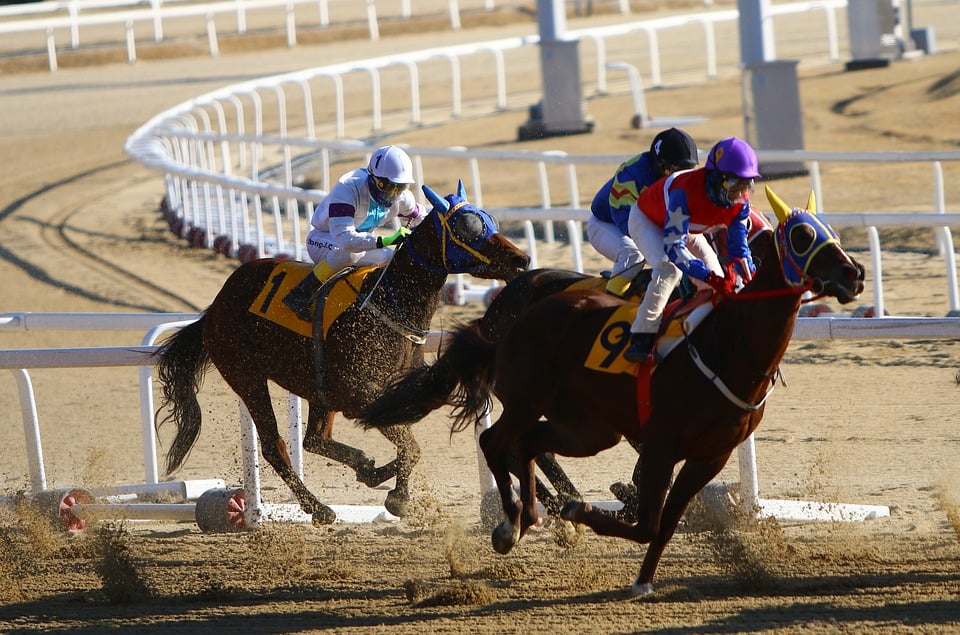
x: 731, y: 168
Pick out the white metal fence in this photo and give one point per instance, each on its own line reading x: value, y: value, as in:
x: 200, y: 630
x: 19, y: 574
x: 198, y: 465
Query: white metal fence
x: 234, y: 160
x: 19, y: 361
x: 50, y: 25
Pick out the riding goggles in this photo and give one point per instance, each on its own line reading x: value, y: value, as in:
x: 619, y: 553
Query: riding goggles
x: 732, y: 182
x: 387, y: 186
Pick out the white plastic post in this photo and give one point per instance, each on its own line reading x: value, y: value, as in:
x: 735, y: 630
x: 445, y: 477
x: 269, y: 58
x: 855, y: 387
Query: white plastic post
x: 253, y: 511
x: 873, y: 238
x: 31, y: 430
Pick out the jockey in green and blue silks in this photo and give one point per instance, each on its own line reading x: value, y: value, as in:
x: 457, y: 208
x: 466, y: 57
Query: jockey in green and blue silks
x: 607, y: 228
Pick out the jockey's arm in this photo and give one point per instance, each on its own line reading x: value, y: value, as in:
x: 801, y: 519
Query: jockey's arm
x: 738, y: 248
x: 410, y: 213
x: 344, y: 232
x: 676, y: 229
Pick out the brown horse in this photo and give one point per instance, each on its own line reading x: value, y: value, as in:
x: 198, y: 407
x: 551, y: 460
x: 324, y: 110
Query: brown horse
x: 520, y: 294
x: 341, y: 362
x: 548, y: 372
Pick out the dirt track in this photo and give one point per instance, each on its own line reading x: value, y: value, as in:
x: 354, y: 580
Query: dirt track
x: 869, y: 422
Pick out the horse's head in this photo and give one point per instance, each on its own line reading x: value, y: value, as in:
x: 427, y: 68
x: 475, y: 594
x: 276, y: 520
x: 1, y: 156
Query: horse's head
x: 465, y: 239
x: 810, y: 252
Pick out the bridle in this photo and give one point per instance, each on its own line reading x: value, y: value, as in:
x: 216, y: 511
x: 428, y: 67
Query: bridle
x: 455, y: 253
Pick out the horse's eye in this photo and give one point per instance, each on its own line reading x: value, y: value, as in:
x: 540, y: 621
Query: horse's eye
x: 802, y: 237
x: 468, y: 226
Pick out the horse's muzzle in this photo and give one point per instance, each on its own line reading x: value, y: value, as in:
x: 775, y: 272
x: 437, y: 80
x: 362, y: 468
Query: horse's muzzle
x: 847, y: 287
x: 507, y: 261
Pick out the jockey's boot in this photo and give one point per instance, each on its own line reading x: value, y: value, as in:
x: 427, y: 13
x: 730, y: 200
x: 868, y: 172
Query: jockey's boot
x: 300, y: 297
x: 640, y: 346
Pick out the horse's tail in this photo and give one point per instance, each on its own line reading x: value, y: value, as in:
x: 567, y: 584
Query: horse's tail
x: 461, y: 377
x: 181, y: 364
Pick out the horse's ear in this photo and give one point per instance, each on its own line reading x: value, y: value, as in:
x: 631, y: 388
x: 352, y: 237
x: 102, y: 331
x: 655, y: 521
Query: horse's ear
x: 461, y: 191
x: 435, y: 199
x: 812, y: 202
x: 781, y: 209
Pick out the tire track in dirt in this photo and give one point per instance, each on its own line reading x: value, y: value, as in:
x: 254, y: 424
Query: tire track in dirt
x: 56, y: 251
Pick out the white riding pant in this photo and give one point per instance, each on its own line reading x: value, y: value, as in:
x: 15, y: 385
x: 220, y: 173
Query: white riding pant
x: 666, y: 276
x: 607, y: 239
x: 320, y: 246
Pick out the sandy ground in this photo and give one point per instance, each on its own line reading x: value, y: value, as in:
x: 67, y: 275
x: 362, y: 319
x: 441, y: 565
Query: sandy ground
x: 861, y: 422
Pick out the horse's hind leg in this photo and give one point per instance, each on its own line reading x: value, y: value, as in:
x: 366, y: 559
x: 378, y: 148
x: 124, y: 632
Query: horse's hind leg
x: 257, y: 400
x: 497, y: 443
x: 566, y: 490
x: 318, y: 440
x: 408, y: 455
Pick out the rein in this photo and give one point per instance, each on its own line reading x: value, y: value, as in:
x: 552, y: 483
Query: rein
x: 416, y: 335
x: 773, y: 293
x: 714, y: 379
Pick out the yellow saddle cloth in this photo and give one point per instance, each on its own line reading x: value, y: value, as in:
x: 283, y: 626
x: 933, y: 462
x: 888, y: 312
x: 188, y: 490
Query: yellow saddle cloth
x: 340, y: 292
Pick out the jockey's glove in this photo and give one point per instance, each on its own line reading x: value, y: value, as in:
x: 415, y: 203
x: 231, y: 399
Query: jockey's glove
x: 396, y: 238
x: 720, y: 284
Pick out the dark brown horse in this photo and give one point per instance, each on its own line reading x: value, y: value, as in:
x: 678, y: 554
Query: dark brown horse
x: 251, y: 338
x: 706, y: 396
x: 520, y: 294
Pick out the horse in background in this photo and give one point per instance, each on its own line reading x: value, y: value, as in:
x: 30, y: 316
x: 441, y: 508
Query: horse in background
x: 704, y: 398
x: 369, y: 327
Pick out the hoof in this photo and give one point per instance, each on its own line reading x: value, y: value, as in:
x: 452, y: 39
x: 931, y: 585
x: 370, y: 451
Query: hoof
x: 571, y: 509
x: 397, y: 503
x: 639, y: 590
x: 324, y: 516
x: 504, y: 537
x: 369, y: 475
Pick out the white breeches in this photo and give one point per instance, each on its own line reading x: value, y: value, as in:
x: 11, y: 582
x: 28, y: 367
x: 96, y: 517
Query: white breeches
x: 666, y: 276
x: 607, y: 239
x: 320, y: 246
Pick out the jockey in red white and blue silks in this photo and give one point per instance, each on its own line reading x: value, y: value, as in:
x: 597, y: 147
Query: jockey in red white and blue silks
x: 672, y: 217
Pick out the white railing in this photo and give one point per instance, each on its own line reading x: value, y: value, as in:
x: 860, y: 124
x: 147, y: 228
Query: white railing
x: 230, y: 158
x: 46, y: 19
x: 230, y: 209
x: 19, y: 361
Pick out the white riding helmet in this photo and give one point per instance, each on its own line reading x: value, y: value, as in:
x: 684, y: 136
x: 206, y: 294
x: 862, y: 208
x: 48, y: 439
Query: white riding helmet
x: 392, y: 163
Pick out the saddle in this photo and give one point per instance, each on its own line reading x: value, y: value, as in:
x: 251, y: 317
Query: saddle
x: 334, y: 297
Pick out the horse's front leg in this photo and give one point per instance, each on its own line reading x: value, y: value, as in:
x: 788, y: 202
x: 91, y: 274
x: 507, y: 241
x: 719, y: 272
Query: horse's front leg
x: 693, y: 477
x: 651, y: 481
x: 275, y: 452
x: 528, y: 496
x: 319, y: 440
x: 408, y: 455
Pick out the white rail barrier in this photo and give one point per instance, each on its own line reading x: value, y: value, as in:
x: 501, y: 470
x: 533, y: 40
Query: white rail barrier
x: 47, y: 18
x: 234, y: 192
x: 18, y: 360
